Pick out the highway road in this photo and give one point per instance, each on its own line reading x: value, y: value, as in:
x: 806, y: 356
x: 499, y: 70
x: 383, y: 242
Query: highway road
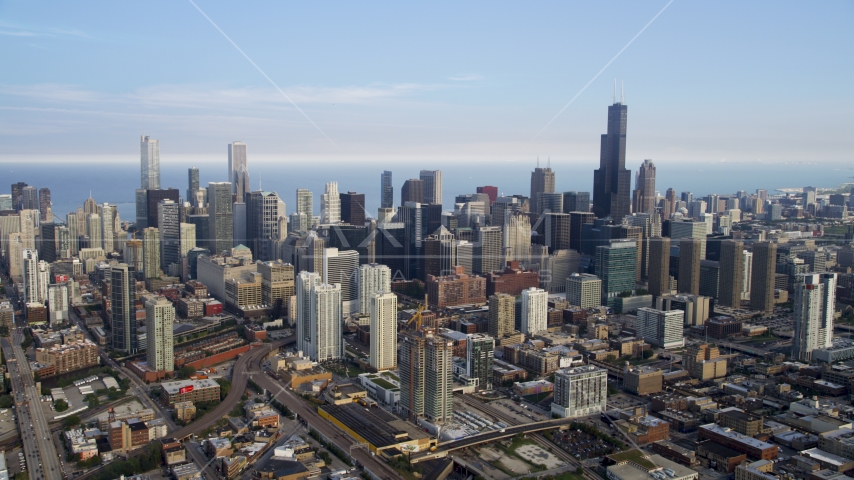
x: 42, y: 458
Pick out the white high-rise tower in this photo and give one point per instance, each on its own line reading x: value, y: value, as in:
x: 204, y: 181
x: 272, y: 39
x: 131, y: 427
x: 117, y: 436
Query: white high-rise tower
x: 373, y: 278
x: 330, y: 204
x: 535, y: 309
x: 159, y: 318
x: 383, y: 307
x: 815, y: 297
x: 238, y: 170
x: 432, y: 186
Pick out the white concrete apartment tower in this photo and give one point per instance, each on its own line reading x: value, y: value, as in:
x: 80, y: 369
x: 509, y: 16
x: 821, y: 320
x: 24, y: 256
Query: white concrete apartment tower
x: 159, y: 318
x: 304, y: 283
x: 383, y: 308
x: 330, y: 204
x: 327, y: 322
x: 535, y: 309
x: 373, y: 278
x: 815, y: 297
x: 149, y: 163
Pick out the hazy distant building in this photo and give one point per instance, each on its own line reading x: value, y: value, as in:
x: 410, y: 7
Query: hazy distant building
x: 542, y: 181
x: 612, y: 181
x: 432, y: 186
x: 412, y: 191
x: 193, y: 186
x: 643, y: 197
x: 238, y: 170
x: 169, y: 226
x: 149, y: 163
x: 353, y: 208
x: 45, y: 213
x: 576, y: 202
x: 386, y: 190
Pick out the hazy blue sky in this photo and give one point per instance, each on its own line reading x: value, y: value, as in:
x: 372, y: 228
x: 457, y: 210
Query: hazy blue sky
x: 741, y: 81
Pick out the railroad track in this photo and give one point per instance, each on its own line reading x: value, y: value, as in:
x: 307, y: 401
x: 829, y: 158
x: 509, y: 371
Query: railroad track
x: 536, y: 437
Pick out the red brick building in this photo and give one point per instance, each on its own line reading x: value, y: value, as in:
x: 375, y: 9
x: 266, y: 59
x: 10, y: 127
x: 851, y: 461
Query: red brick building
x: 512, y: 280
x: 454, y: 290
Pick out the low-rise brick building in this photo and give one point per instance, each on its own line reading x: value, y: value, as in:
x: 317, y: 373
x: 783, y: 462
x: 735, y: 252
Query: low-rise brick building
x: 458, y: 289
x: 205, y: 390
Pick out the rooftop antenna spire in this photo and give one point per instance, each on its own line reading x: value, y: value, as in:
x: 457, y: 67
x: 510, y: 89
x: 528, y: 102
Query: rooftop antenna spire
x: 622, y: 93
x: 614, y: 98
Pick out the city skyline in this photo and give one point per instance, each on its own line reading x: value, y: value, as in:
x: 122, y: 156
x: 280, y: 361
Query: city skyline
x: 475, y: 104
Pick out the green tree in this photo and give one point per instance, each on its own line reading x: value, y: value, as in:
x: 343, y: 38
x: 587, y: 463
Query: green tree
x: 186, y: 371
x: 71, y: 421
x: 6, y: 401
x: 224, y: 387
x: 61, y: 405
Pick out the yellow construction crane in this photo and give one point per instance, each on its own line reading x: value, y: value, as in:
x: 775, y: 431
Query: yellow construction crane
x: 417, y: 317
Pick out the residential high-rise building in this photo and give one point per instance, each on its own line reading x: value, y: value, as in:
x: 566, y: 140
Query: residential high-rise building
x: 262, y: 223
x: 643, y: 197
x: 689, y: 266
x: 353, y: 208
x: 732, y: 273
x: 487, y: 249
x: 479, y: 351
x: 122, y: 300
x: 151, y: 252
x: 6, y: 202
x: 238, y: 170
x: 502, y: 315
x: 330, y: 204
x: 45, y: 214
x: 93, y: 225
x: 159, y: 319
x: 192, y: 185
x: 438, y: 380
x: 612, y: 181
x: 108, y: 230
x: 149, y: 163
x: 414, y: 218
x: 542, y: 181
x: 814, y: 306
x: 30, y: 270
x: 616, y: 265
x: 327, y: 323
x: 659, y: 266
x: 220, y: 217
x: 383, y: 312
x: 73, y: 224
x: 373, y: 278
x: 57, y: 301
x: 169, y: 221
x: 141, y: 209
x: 535, y: 311
x: 386, y: 190
x: 580, y: 391
x: 277, y: 283
x: 341, y: 267
x: 661, y: 328
x: 411, y: 368
x: 305, y: 281
x: 412, y: 191
x: 432, y: 186
x: 584, y: 290
x: 763, y: 276
x: 576, y: 202
x: 747, y: 275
